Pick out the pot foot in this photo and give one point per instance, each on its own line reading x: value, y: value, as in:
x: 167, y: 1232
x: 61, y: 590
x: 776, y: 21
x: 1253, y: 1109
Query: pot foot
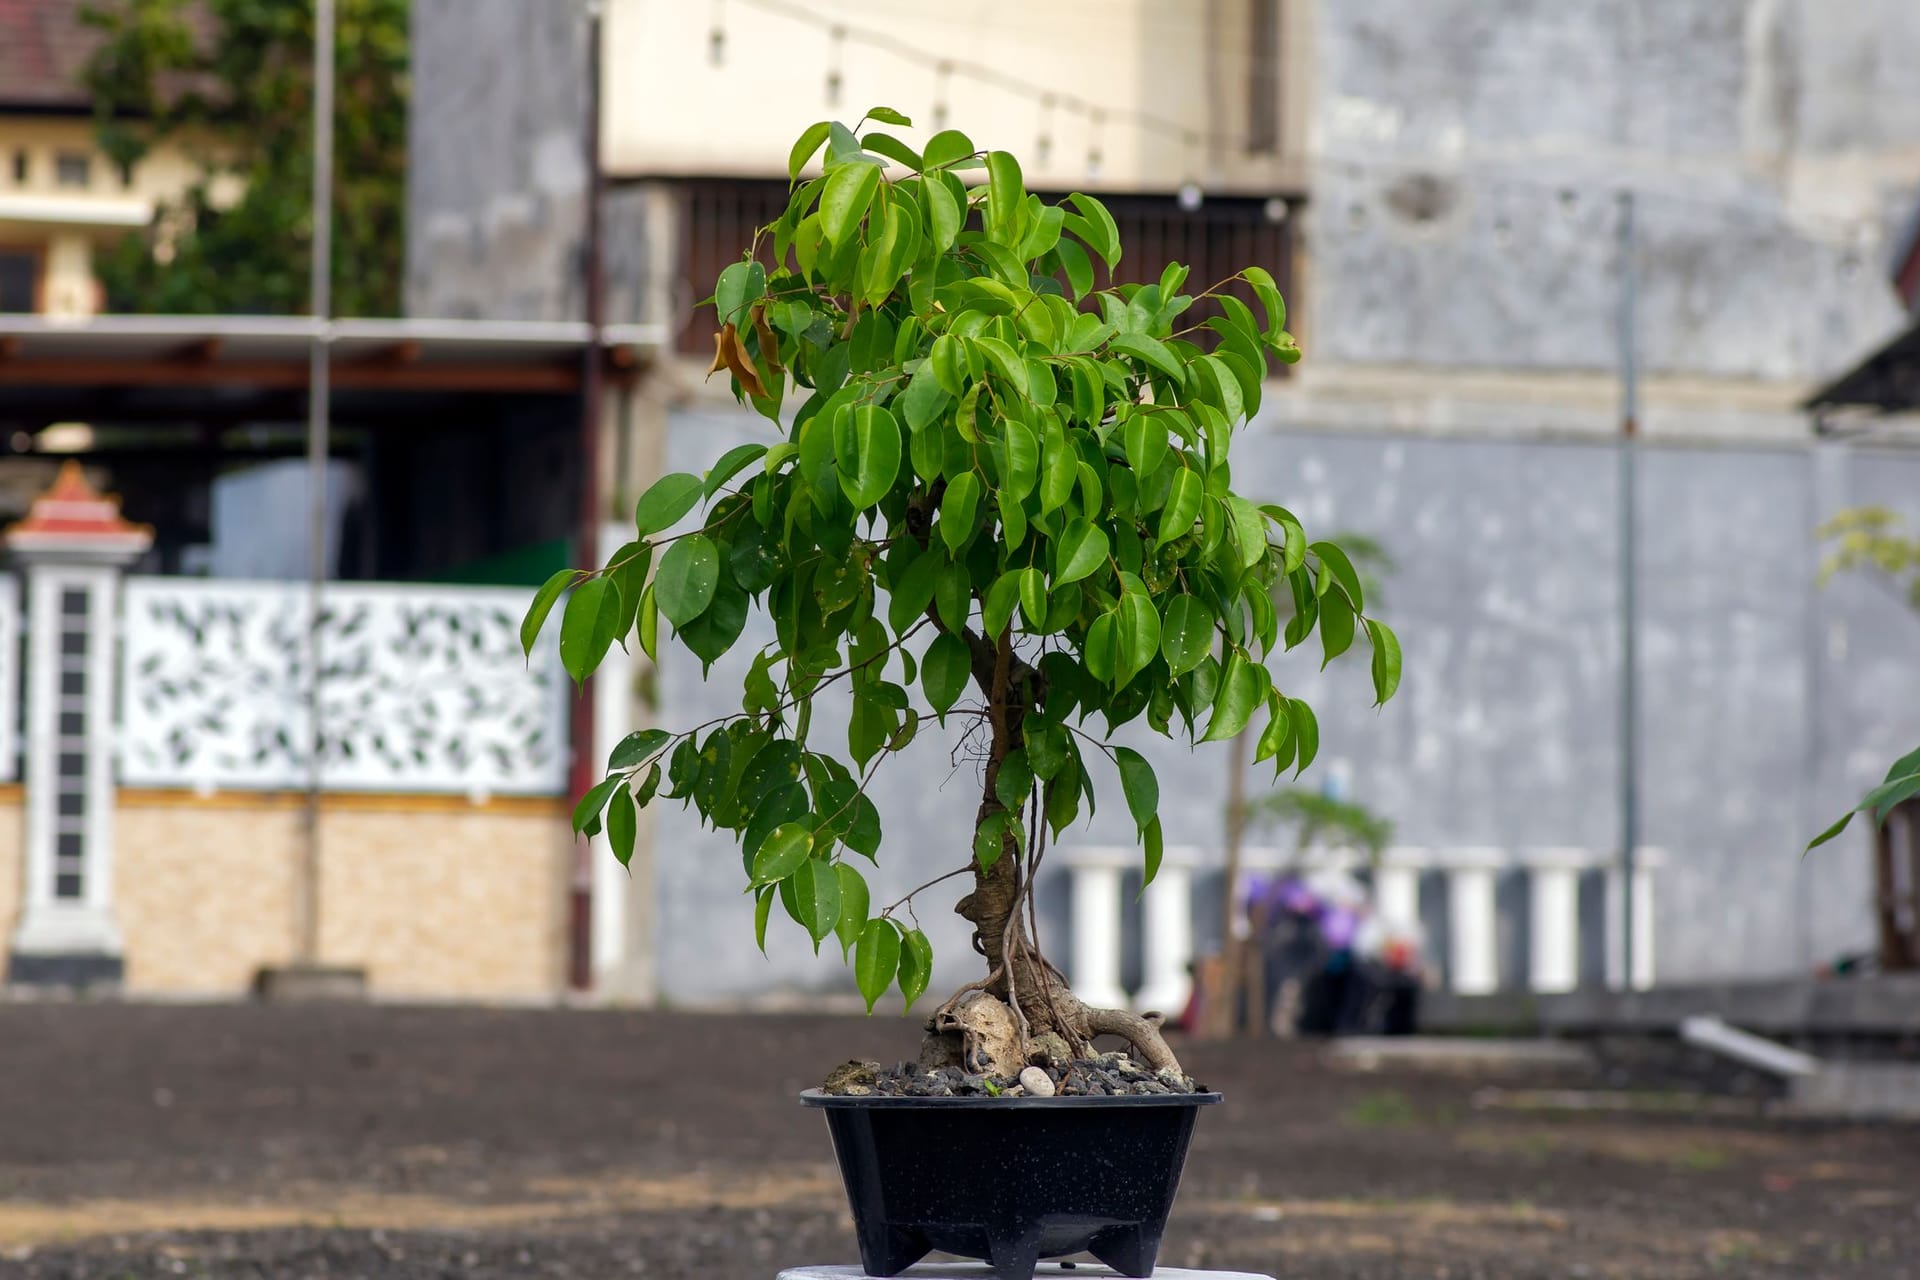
x: 1014, y: 1259
x: 891, y: 1250
x: 1128, y: 1250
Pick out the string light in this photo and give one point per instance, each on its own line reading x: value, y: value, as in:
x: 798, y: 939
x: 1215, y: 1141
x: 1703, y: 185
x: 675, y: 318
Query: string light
x: 1094, y: 129
x: 836, y: 53
x: 942, y: 74
x: 1043, y: 145
x: 1190, y: 195
x: 717, y: 37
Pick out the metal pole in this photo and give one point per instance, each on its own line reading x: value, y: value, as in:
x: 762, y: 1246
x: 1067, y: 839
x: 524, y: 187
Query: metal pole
x: 580, y: 958
x: 1629, y: 602
x: 318, y: 391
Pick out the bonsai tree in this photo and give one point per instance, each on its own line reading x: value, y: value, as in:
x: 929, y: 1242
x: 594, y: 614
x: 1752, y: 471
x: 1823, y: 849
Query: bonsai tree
x: 999, y: 497
x: 1876, y: 541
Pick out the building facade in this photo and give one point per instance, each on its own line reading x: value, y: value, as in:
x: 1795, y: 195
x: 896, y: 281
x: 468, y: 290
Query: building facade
x: 1441, y: 188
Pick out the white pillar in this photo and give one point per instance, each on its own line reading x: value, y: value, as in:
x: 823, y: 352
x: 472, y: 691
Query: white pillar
x: 1472, y: 920
x: 1166, y: 949
x: 1396, y: 887
x: 612, y: 720
x: 1096, y: 933
x: 1646, y: 861
x: 1553, y: 886
x: 72, y: 544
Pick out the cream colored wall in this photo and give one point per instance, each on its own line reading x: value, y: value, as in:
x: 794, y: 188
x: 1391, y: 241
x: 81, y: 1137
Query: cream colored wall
x: 672, y: 111
x: 434, y: 900
x: 64, y: 223
x: 13, y: 825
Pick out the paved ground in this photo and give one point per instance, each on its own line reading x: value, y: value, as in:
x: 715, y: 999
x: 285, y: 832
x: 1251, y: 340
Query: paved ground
x: 242, y: 1142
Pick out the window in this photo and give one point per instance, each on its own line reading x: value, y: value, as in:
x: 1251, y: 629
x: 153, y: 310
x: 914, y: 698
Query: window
x: 1263, y: 79
x: 718, y: 218
x: 22, y: 166
x: 19, y: 280
x: 717, y: 221
x: 72, y: 168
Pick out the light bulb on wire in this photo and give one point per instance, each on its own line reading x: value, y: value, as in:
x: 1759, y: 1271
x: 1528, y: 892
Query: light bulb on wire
x: 833, y: 66
x: 717, y: 37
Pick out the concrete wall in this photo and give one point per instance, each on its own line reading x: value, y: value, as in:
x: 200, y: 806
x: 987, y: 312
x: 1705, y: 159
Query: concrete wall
x: 1467, y: 154
x: 1767, y: 705
x: 435, y: 900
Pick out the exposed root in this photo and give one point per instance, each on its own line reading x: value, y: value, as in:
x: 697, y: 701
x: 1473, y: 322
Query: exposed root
x: 1142, y: 1031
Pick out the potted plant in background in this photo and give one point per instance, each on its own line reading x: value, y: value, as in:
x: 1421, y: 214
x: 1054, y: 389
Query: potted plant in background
x: 1000, y: 498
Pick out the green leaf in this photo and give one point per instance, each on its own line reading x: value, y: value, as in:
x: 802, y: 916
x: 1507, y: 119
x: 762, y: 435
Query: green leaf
x: 1334, y: 560
x: 1081, y: 550
x: 1137, y: 637
x: 916, y: 965
x: 887, y: 115
x: 1182, y: 505
x: 996, y: 611
x: 635, y: 748
x: 1155, y: 850
x: 1336, y: 627
x: 1047, y: 750
x: 944, y: 217
x: 543, y: 601
x: 945, y: 147
x: 944, y: 671
x: 869, y: 468
x: 666, y: 501
x: 1006, y: 362
x: 1021, y: 451
x: 1014, y: 783
x: 1882, y: 799
x: 854, y: 901
x: 816, y: 897
x: 1096, y: 226
x: 1033, y: 598
x: 790, y: 845
x: 731, y: 464
x: 924, y: 398
x: 581, y: 644
x: 1269, y: 295
x: 1306, y: 733
x: 594, y: 801
x: 739, y: 284
x: 762, y: 910
x: 892, y: 148
x: 1238, y: 696
x: 1078, y: 268
x: 957, y: 510
x: 1249, y: 530
x: 804, y: 149
x: 719, y: 624
x: 689, y: 572
x: 622, y: 824
x: 844, y: 199
x: 989, y: 839
x: 1831, y: 831
x: 648, y: 619
x: 1153, y: 352
x: 876, y: 958
x: 1141, y: 787
x: 1005, y: 197
x: 1146, y: 440
x: 1386, y: 661
x: 1186, y: 634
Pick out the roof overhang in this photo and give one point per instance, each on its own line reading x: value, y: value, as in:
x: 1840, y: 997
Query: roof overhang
x: 273, y: 352
x: 1887, y: 381
x: 113, y: 213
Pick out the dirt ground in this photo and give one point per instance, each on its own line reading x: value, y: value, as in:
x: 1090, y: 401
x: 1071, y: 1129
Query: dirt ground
x: 238, y: 1141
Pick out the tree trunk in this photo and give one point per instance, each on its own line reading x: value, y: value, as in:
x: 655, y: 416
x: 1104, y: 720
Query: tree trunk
x: 1034, y: 992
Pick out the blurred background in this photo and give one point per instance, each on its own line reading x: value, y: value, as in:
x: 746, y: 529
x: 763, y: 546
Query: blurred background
x: 1511, y: 235
x: 1611, y: 313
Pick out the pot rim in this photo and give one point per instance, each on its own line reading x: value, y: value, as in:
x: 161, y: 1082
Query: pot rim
x: 831, y: 1101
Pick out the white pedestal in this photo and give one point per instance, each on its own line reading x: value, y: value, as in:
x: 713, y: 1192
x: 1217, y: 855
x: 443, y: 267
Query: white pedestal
x: 981, y: 1271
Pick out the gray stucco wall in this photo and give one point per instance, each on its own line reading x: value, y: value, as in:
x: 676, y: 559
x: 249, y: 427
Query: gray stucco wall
x: 1767, y: 704
x: 1467, y: 153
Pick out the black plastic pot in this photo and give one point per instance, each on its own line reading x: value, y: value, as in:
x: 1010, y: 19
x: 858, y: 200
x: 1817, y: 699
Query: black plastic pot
x: 1011, y: 1180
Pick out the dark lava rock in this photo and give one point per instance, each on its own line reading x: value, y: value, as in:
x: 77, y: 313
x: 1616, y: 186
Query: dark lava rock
x: 1105, y: 1074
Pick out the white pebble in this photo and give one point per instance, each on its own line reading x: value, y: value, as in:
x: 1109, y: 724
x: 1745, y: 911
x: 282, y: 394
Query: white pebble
x: 1036, y: 1082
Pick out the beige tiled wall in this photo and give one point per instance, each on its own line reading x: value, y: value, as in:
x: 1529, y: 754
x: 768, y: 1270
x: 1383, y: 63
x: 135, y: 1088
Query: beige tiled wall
x: 435, y: 900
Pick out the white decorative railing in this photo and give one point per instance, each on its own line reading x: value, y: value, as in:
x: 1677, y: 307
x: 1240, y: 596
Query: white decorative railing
x: 423, y: 688
x: 10, y: 664
x: 1471, y: 877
